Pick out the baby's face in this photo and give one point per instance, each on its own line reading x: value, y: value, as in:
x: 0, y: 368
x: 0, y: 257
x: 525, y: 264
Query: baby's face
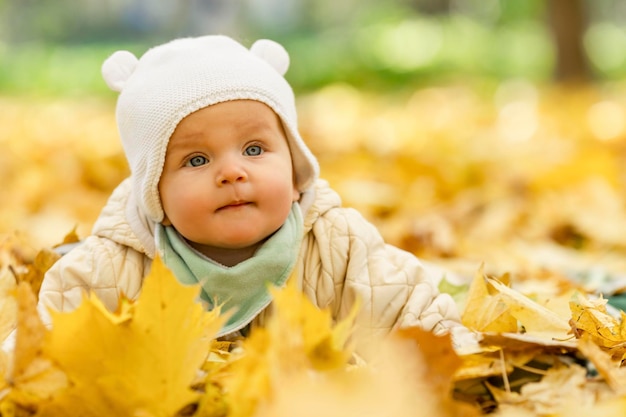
x: 227, y: 181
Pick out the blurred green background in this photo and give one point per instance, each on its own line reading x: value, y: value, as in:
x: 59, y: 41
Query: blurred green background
x: 56, y: 47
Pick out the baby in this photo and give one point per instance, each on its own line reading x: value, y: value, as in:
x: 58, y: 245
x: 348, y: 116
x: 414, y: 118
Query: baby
x: 225, y: 191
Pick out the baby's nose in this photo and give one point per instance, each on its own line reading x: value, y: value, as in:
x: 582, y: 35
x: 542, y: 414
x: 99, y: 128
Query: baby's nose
x: 231, y: 172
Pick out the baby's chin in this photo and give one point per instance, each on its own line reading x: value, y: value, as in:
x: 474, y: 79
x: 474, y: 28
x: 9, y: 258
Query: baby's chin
x: 235, y: 250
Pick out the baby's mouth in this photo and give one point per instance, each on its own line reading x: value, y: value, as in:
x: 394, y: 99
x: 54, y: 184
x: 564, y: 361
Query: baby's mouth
x: 234, y: 205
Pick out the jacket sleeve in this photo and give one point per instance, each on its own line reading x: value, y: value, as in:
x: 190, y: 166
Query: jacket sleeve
x: 348, y: 260
x: 100, y: 266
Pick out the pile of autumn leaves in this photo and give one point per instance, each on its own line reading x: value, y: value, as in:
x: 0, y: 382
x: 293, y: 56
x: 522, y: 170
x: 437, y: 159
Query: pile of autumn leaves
x: 157, y: 356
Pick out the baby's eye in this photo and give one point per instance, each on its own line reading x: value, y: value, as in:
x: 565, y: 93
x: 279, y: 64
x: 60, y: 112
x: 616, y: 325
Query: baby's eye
x: 196, y: 161
x: 253, y: 150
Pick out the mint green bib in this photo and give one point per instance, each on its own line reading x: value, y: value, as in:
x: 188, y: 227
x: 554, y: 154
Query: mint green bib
x: 243, y: 288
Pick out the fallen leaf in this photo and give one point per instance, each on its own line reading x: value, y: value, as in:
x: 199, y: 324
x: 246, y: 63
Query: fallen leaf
x: 610, y: 370
x: 441, y: 360
x: 484, y: 312
x: 560, y: 387
x: 35, y: 271
x: 297, y: 338
x: 440, y: 364
x: 535, y: 318
x: 141, y: 365
x: 612, y: 407
x: 71, y: 237
x: 591, y: 317
x: 518, y: 342
x: 8, y: 302
x: 33, y: 377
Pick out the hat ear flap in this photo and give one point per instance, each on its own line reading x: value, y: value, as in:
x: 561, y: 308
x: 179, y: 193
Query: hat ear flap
x: 273, y: 53
x: 117, y: 68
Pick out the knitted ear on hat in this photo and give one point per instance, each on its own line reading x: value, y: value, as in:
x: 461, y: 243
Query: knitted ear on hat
x: 273, y: 53
x: 117, y: 68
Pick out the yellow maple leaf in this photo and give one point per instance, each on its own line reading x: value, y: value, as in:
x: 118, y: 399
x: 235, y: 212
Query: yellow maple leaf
x: 397, y: 382
x: 32, y: 377
x: 591, y: 317
x: 71, y: 237
x: 8, y: 303
x: 35, y: 271
x: 20, y: 262
x: 484, y: 312
x: 535, y: 318
x: 214, y: 371
x: 311, y: 329
x: 297, y: 339
x: 142, y: 364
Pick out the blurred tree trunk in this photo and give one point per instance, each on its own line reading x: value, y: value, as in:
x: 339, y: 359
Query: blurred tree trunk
x: 435, y: 7
x: 567, y: 23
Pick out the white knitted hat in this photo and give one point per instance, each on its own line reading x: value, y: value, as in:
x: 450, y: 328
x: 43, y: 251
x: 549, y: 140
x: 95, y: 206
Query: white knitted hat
x: 172, y: 80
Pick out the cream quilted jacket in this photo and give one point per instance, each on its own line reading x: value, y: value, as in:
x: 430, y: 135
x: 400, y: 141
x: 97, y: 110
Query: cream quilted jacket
x: 342, y: 258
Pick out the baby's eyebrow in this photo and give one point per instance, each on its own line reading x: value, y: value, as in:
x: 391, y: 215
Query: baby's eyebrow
x: 184, y: 142
x: 254, y: 124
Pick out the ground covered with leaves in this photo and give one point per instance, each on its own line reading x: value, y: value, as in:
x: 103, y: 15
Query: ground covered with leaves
x: 517, y: 190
